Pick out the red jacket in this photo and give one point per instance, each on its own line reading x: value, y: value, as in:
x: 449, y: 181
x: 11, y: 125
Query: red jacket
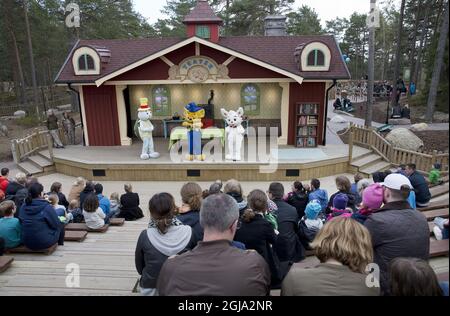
x: 3, y: 183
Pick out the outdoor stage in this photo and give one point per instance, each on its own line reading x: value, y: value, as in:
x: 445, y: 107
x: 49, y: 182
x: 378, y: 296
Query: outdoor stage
x: 122, y: 163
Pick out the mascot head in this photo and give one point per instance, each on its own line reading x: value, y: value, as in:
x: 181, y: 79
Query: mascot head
x: 233, y: 118
x: 192, y: 111
x: 144, y: 112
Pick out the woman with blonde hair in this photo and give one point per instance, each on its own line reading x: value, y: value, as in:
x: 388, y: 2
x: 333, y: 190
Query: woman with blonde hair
x: 76, y: 189
x: 234, y: 189
x: 129, y: 204
x: 344, y: 249
x: 189, y: 212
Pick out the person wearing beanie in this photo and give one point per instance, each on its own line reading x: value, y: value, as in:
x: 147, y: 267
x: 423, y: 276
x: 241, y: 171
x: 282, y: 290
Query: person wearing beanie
x: 339, y: 207
x: 372, y: 199
x: 310, y: 224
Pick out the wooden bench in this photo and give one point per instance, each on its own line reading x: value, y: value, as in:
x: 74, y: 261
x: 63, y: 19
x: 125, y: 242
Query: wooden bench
x: 117, y: 221
x: 5, y: 263
x: 431, y: 215
x: 439, y: 190
x: 435, y: 205
x: 23, y: 249
x: 83, y: 227
x: 75, y: 235
x: 442, y: 277
x: 438, y: 248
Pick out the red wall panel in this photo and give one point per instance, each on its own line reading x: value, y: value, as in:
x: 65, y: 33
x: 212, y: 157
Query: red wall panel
x: 240, y: 68
x: 313, y: 92
x: 102, y: 121
x: 153, y: 70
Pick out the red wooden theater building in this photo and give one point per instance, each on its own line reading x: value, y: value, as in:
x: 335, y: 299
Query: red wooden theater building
x: 279, y: 80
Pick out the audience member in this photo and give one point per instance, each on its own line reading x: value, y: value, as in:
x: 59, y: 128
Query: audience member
x: 129, y: 204
x: 76, y: 189
x: 310, y: 224
x: 344, y: 186
x: 298, y: 198
x: 93, y: 214
x: 318, y: 194
x: 418, y: 182
x: 103, y: 201
x: 10, y: 228
x: 56, y: 189
x: 372, y: 200
x: 234, y: 189
x: 189, y: 212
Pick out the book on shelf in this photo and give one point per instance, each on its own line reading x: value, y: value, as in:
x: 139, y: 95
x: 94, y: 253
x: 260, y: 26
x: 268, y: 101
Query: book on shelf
x: 312, y: 131
x: 302, y: 120
x: 312, y: 120
x: 302, y: 131
x: 311, y: 142
x: 302, y: 142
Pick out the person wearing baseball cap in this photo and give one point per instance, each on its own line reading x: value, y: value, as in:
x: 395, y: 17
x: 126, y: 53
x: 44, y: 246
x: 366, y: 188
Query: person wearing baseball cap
x: 397, y: 230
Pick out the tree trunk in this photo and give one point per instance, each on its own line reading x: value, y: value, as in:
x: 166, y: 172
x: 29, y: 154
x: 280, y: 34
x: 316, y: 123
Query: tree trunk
x: 438, y: 64
x: 398, y: 53
x: 23, y: 94
x: 414, y: 39
x: 423, y: 36
x: 370, y: 73
x: 30, y: 52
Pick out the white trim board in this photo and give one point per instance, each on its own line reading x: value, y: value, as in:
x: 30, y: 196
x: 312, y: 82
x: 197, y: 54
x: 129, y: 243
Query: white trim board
x: 195, y: 39
x: 210, y: 81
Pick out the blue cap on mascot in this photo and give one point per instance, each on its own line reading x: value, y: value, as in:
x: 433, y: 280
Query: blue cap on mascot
x: 192, y: 107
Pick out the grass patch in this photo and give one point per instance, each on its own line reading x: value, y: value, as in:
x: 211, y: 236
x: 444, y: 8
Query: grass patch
x: 28, y: 121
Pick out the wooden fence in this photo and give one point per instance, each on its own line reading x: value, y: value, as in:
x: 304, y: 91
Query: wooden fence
x: 38, y: 140
x: 369, y: 138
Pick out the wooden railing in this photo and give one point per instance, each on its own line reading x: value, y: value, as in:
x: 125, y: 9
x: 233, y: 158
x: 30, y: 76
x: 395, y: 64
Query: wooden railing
x: 38, y: 140
x: 369, y: 138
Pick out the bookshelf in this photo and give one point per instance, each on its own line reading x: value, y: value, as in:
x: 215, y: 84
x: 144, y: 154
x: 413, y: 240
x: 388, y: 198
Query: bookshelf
x: 307, y: 124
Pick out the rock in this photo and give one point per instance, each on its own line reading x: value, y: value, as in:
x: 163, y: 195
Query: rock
x: 338, y: 119
x: 419, y: 127
x: 20, y: 114
x: 4, y: 130
x: 405, y: 139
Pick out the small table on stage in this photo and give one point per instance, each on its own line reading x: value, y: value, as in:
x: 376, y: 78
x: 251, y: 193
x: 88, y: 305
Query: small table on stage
x: 166, y: 123
x: 180, y: 133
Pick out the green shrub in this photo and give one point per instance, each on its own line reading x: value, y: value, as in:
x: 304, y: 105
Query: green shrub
x: 28, y: 121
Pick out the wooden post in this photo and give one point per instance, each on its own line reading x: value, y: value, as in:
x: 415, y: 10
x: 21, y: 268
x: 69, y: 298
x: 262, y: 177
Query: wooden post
x: 50, y: 145
x: 433, y: 158
x: 350, y: 144
x: 14, y: 151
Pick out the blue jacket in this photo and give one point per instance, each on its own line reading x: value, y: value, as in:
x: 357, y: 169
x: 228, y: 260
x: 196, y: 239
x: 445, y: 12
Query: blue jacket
x: 420, y: 186
x: 40, y: 225
x: 321, y: 196
x: 104, y: 203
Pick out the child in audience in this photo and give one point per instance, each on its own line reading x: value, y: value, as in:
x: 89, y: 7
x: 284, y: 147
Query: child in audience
x: 440, y: 228
x: 339, y: 207
x: 10, y: 228
x: 115, y: 203
x: 75, y: 210
x: 60, y: 210
x: 298, y: 198
x: 372, y: 199
x: 414, y: 277
x: 434, y: 176
x: 310, y: 224
x: 92, y: 213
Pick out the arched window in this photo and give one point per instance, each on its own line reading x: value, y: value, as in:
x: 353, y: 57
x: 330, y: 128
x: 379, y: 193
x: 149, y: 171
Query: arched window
x: 161, y: 101
x: 86, y: 62
x: 316, y: 58
x: 250, y: 98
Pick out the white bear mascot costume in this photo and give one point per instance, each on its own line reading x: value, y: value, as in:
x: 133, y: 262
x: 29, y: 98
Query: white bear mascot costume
x: 234, y: 133
x: 144, y: 129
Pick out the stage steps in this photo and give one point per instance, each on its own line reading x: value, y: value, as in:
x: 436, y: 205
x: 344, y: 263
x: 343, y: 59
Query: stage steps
x: 369, y: 163
x: 38, y: 165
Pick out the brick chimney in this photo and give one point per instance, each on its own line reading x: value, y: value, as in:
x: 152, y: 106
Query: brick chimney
x: 275, y: 25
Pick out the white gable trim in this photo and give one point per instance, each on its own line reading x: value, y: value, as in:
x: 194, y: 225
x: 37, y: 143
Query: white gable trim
x: 195, y: 39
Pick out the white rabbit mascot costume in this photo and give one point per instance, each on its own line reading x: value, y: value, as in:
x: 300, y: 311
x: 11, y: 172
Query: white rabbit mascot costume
x: 234, y: 133
x: 144, y: 128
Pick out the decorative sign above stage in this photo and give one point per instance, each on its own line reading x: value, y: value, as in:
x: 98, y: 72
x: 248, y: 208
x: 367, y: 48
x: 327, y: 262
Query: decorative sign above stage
x: 198, y: 69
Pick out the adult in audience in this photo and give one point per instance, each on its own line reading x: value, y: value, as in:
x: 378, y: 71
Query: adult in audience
x: 396, y: 229
x: 298, y: 198
x: 165, y: 236
x: 344, y: 249
x: 234, y: 189
x: 423, y: 195
x: 318, y: 194
x: 413, y: 277
x: 288, y: 246
x: 41, y: 227
x: 76, y: 189
x: 354, y: 188
x: 103, y: 201
x: 88, y: 189
x: 189, y: 212
x: 344, y: 186
x: 129, y: 202
x: 215, y: 267
x: 56, y: 189
x: 17, y: 191
x: 257, y: 233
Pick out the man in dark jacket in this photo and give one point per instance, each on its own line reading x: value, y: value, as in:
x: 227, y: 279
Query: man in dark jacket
x: 215, y: 267
x: 423, y: 195
x: 52, y: 126
x: 288, y: 246
x: 396, y: 229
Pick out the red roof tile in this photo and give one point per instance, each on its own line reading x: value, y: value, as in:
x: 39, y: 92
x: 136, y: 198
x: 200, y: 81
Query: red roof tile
x: 202, y: 13
x: 275, y: 50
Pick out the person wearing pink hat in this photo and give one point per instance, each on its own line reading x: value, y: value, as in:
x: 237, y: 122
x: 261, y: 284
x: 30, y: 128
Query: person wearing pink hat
x: 372, y: 199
